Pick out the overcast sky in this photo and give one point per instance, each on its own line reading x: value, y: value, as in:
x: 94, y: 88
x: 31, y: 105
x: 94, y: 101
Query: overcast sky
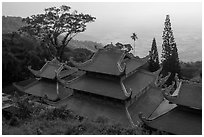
x: 118, y: 12
x: 116, y: 21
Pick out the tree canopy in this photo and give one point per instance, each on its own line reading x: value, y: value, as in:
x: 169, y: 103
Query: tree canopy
x: 48, y: 26
x: 154, y: 57
x: 134, y: 37
x: 170, y: 59
x: 126, y: 47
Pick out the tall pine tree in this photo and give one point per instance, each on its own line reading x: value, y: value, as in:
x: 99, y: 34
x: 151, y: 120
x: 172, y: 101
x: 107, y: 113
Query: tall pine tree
x: 154, y: 58
x: 170, y: 59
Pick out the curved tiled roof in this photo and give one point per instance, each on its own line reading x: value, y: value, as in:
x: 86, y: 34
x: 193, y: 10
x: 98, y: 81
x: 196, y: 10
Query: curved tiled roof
x: 111, y: 61
x: 42, y: 88
x: 138, y: 81
x: 189, y: 94
x: 48, y: 70
x: 134, y: 63
x: 53, y: 69
x: 146, y: 103
x: 106, y: 61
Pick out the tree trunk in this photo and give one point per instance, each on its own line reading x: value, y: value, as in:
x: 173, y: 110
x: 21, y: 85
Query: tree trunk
x: 60, y: 52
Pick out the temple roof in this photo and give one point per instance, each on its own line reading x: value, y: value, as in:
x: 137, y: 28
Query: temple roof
x: 97, y: 108
x: 139, y: 80
x: 42, y: 88
x: 134, y: 63
x: 48, y: 70
x: 111, y: 61
x: 53, y: 68
x: 146, y: 103
x: 189, y: 94
x: 120, y: 88
x: 175, y: 120
x: 99, y: 86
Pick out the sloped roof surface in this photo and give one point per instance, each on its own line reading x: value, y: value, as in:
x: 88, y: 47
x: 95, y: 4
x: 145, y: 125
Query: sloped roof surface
x: 134, y: 63
x: 146, y: 103
x: 179, y: 120
x: 99, y: 86
x: 190, y: 94
x: 104, y: 61
x: 48, y: 70
x: 138, y: 81
x: 41, y: 88
x: 26, y: 82
x: 94, y: 108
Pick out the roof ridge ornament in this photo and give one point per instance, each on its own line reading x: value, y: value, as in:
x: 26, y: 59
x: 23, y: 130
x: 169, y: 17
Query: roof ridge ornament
x: 127, y: 94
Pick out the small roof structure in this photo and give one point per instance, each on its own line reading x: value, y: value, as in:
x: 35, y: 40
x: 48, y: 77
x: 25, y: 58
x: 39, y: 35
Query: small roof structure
x: 53, y: 68
x: 47, y: 85
x: 42, y: 88
x: 179, y: 114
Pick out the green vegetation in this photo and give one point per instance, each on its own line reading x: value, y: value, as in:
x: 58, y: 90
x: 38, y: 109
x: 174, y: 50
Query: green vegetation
x: 170, y: 59
x: 134, y: 37
x: 11, y: 24
x: 191, y: 70
x: 154, y: 57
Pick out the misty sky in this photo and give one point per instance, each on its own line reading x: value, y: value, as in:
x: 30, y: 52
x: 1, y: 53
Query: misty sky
x: 115, y: 22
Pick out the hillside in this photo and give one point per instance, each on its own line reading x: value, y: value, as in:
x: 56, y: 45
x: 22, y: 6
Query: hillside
x: 10, y: 24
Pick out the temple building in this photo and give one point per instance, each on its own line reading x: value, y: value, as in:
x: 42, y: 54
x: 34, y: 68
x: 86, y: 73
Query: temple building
x: 45, y: 83
x: 179, y: 113
x: 115, y: 85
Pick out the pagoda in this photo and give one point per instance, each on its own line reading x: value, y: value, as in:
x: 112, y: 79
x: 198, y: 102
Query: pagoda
x: 45, y: 84
x: 179, y: 113
x: 115, y: 85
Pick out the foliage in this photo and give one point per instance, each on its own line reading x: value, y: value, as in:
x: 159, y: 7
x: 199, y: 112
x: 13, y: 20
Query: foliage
x: 55, y: 22
x: 81, y: 54
x: 126, y: 47
x: 191, y: 69
x: 11, y: 24
x: 170, y: 60
x: 18, y: 52
x: 154, y: 57
x: 134, y: 37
